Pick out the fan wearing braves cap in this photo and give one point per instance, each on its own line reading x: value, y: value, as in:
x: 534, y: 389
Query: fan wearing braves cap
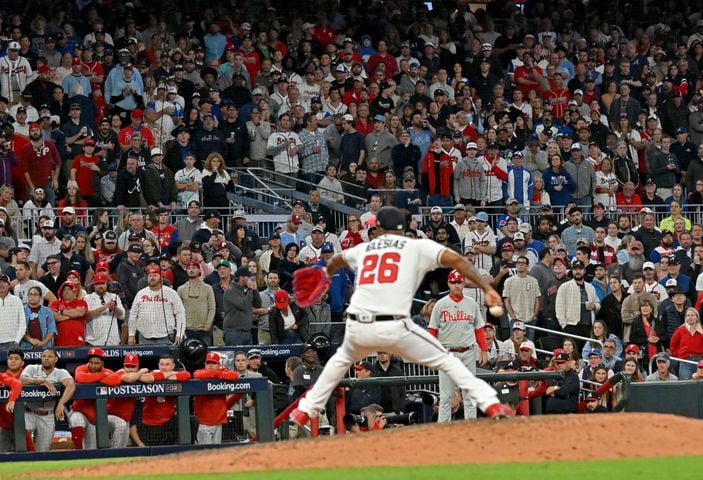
x: 389, y: 267
x: 563, y: 395
x: 157, y: 313
x: 457, y: 322
x: 23, y: 74
x: 211, y: 410
x: 82, y: 418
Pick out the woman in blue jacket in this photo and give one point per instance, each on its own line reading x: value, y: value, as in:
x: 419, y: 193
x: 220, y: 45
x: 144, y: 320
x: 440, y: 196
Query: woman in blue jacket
x: 41, y: 325
x: 558, y: 182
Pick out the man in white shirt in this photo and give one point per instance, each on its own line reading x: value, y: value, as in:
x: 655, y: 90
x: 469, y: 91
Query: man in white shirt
x: 157, y: 313
x: 104, y: 309
x: 12, y: 322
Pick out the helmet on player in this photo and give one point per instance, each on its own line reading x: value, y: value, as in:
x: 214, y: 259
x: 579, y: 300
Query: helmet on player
x: 455, y: 277
x: 390, y: 218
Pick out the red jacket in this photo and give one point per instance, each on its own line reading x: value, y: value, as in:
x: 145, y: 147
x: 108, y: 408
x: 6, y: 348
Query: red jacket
x: 684, y: 345
x: 84, y: 375
x: 159, y: 410
x: 8, y: 380
x: 439, y: 171
x: 212, y: 409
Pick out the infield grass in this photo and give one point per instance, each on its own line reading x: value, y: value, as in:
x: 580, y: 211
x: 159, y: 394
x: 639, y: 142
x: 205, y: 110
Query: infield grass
x: 682, y: 468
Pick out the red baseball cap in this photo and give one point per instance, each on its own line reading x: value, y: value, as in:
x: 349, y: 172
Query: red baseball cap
x: 102, y: 267
x: 154, y: 269
x: 455, y: 277
x: 295, y: 219
x: 212, y: 357
x: 281, y: 298
x: 34, y: 125
x: 632, y: 348
x: 137, y: 113
x: 100, y: 278
x: 95, y: 352
x: 76, y: 61
x: 194, y: 263
x: 44, y: 69
x: 131, y: 360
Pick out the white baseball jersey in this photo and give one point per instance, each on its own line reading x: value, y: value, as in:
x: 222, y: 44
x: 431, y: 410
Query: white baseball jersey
x: 389, y: 272
x: 56, y: 376
x: 486, y: 238
x: 310, y: 254
x: 456, y: 321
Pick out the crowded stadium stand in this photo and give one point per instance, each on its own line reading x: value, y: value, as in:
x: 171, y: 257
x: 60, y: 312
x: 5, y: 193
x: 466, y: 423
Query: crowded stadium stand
x: 166, y: 169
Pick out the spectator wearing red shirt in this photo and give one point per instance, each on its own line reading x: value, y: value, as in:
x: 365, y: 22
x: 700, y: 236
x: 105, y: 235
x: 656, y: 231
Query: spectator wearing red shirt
x: 250, y: 57
x: 382, y: 56
x: 558, y: 96
x: 627, y: 200
x: 83, y: 171
x: 164, y: 230
x: 124, y: 407
x: 437, y: 174
x: 159, y: 422
x: 353, y: 95
x: 125, y: 135
x: 687, y: 342
x: 10, y: 379
x: 69, y: 313
x: 528, y: 76
x: 323, y: 33
x: 211, y: 410
x: 42, y: 163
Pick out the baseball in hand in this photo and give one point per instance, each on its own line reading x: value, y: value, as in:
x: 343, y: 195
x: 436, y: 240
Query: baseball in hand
x: 496, y: 310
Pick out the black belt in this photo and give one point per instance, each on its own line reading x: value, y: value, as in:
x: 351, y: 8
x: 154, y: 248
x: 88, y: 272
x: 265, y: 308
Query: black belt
x: 374, y: 318
x: 460, y: 350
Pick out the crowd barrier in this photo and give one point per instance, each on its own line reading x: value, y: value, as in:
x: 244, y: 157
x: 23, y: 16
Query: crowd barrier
x: 683, y: 397
x: 182, y: 390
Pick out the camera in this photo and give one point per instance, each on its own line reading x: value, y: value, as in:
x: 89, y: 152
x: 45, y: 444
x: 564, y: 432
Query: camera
x: 401, y: 419
x: 351, y: 420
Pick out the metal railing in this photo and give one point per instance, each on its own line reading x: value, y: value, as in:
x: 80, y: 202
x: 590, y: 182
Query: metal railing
x: 565, y: 335
x: 673, y: 359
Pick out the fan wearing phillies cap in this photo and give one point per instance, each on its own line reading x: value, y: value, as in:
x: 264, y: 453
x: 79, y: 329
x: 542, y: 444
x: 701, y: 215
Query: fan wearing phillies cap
x: 45, y: 162
x: 211, y: 410
x: 287, y: 322
x: 105, y: 312
x: 82, y: 418
x: 457, y: 322
x: 84, y: 169
x: 136, y: 126
x: 563, y: 394
x: 157, y: 315
x: 69, y: 312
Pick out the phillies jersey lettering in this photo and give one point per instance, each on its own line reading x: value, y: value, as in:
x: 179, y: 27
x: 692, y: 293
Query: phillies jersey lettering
x: 456, y: 321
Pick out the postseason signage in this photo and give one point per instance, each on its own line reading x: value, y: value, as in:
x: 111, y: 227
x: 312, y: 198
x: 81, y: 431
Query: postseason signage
x: 158, y: 389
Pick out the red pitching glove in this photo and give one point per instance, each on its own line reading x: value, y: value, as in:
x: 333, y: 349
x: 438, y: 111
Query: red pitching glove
x: 309, y: 284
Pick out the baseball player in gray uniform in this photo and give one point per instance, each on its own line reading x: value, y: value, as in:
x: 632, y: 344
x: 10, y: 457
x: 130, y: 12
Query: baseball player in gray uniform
x: 40, y: 416
x: 457, y: 323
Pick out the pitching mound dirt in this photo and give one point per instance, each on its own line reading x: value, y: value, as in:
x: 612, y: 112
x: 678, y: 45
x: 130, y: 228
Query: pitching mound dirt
x: 534, y: 439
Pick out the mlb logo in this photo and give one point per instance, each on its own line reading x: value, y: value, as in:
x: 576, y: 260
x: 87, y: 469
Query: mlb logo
x: 101, y: 391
